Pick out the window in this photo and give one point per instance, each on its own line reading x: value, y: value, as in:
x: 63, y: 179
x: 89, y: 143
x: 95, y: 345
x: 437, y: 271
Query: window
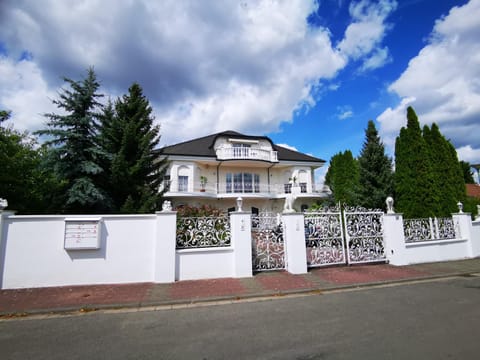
x: 242, y: 183
x: 182, y: 183
x: 183, y: 172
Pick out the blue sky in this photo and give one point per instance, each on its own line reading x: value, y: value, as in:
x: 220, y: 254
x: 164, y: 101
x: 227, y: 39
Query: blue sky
x: 309, y: 74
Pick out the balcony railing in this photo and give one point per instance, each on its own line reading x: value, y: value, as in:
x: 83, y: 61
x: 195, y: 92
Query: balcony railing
x: 243, y: 188
x: 244, y: 153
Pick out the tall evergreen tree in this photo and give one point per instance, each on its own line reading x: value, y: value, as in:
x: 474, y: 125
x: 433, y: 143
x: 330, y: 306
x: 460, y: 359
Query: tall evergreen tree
x: 414, y: 178
x: 342, y: 177
x: 74, y: 140
x: 135, y: 169
x: 449, y: 183
x: 375, y: 171
x: 467, y: 172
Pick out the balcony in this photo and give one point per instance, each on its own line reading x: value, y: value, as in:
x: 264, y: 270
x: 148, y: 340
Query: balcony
x: 246, y: 153
x: 245, y: 189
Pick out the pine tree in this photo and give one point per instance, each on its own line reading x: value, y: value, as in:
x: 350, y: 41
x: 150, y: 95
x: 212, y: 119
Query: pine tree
x: 375, y: 171
x: 135, y: 170
x: 74, y: 140
x: 343, y: 177
x: 414, y: 178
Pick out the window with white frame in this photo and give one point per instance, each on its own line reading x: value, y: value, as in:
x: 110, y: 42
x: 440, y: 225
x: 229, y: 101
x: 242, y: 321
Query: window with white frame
x: 242, y: 183
x: 183, y: 172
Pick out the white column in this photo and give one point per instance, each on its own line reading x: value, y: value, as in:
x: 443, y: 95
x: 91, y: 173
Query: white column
x: 463, y: 230
x: 165, y: 246
x: 3, y: 242
x: 241, y: 236
x: 294, y: 240
x: 394, y: 239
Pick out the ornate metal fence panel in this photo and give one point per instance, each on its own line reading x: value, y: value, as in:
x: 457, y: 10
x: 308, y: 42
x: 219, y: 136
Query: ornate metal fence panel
x: 324, y: 237
x: 364, y: 235
x: 202, y: 232
x: 428, y: 229
x: 268, y: 251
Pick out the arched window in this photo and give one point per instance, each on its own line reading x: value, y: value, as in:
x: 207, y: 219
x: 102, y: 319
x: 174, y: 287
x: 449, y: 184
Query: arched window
x: 303, y: 180
x: 183, y: 172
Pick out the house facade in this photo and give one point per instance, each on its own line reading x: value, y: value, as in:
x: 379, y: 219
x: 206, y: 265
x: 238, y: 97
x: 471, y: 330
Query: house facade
x: 217, y: 169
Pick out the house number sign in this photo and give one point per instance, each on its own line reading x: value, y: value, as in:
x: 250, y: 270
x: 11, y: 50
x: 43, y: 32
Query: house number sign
x: 82, y: 234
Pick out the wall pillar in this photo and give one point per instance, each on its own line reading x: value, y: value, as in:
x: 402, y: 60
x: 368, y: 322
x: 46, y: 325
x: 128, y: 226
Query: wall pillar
x: 294, y: 240
x: 241, y: 236
x: 165, y: 247
x: 3, y: 242
x: 394, y: 239
x: 463, y: 230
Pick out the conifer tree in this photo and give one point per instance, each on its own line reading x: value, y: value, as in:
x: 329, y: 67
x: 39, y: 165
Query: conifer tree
x: 342, y: 177
x: 375, y: 171
x: 135, y: 170
x: 467, y: 172
x: 414, y: 178
x: 74, y: 140
x: 449, y: 185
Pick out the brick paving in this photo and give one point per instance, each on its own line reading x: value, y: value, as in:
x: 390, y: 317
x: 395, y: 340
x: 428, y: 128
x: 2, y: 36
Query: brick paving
x: 74, y: 298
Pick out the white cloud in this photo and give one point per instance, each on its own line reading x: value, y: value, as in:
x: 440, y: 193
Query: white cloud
x: 206, y: 66
x: 344, y: 112
x: 27, y: 94
x: 466, y: 153
x: 379, y: 58
x: 365, y: 34
x: 444, y: 81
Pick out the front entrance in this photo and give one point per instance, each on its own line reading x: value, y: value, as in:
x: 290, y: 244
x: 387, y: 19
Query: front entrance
x: 268, y: 250
x: 354, y: 237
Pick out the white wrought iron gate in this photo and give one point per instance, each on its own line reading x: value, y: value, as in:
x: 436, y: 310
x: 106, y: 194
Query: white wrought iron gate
x: 268, y: 251
x: 324, y: 237
x: 352, y: 238
x: 363, y: 235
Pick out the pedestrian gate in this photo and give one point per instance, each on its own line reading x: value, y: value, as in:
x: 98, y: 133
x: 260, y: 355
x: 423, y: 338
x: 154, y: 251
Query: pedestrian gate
x: 268, y: 251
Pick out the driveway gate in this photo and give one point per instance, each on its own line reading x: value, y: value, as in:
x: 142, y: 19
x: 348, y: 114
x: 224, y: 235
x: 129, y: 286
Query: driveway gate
x: 268, y: 251
x: 356, y: 237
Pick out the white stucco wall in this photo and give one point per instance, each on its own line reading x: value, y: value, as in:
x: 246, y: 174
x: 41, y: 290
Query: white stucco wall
x: 34, y: 254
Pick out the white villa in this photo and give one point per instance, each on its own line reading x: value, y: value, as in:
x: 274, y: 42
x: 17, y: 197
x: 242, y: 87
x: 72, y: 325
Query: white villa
x: 217, y: 169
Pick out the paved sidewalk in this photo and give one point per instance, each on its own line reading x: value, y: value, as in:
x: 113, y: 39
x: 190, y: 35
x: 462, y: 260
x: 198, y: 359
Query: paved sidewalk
x: 87, y: 298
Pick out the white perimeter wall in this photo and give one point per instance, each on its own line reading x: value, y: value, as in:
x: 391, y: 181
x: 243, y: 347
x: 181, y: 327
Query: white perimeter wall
x: 34, y: 255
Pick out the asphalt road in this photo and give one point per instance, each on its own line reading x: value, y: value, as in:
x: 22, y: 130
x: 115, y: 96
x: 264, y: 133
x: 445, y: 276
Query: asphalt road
x: 434, y: 320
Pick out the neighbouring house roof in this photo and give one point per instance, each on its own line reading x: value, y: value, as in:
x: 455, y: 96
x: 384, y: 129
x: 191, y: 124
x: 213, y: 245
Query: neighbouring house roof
x: 204, y: 147
x: 473, y: 190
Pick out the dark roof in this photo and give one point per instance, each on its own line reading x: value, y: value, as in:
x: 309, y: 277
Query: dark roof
x: 203, y: 147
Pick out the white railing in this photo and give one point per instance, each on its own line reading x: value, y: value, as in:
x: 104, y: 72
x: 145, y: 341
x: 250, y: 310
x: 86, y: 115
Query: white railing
x: 243, y: 153
x: 428, y: 229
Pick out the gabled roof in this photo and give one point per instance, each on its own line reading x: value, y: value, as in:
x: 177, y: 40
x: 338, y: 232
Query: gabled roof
x: 203, y: 147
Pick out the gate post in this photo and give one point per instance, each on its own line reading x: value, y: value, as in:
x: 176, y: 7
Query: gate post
x: 294, y: 240
x: 394, y: 239
x: 165, y: 247
x: 241, y: 236
x: 463, y: 230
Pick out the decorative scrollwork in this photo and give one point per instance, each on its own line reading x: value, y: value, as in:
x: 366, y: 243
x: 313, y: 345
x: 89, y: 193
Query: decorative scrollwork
x: 360, y: 209
x: 428, y: 229
x: 364, y: 234
x: 324, y: 239
x: 268, y: 251
x: 201, y: 232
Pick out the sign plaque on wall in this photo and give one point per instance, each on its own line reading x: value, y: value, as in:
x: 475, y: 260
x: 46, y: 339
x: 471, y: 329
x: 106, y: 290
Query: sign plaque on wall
x: 82, y: 233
